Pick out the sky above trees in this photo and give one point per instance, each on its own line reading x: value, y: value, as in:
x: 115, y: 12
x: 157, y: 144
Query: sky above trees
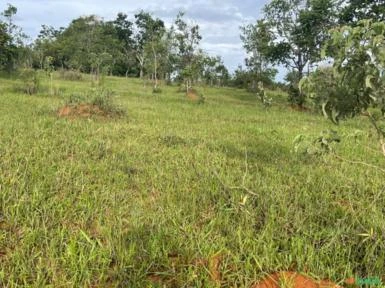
x: 219, y: 20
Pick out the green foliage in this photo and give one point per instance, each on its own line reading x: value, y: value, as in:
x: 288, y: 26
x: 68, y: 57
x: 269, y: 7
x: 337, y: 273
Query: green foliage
x: 49, y: 69
x: 70, y: 75
x: 248, y: 78
x: 256, y: 39
x: 353, y: 11
x: 290, y: 34
x: 30, y: 82
x: 357, y: 80
x: 261, y: 94
x: 48, y: 65
x: 103, y: 98
x: 190, y: 58
x: 100, y: 65
x: 316, y: 146
x: 156, y: 90
x: 100, y: 97
x: 297, y: 29
x: 215, y: 72
x: 329, y: 94
x: 12, y: 48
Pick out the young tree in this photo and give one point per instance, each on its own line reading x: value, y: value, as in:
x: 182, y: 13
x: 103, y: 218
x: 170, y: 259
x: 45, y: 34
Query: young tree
x: 125, y: 31
x: 100, y: 63
x: 49, y: 69
x: 155, y: 46
x: 215, y: 72
x: 148, y: 33
x: 189, y: 55
x: 256, y: 39
x: 358, y: 80
x: 45, y: 45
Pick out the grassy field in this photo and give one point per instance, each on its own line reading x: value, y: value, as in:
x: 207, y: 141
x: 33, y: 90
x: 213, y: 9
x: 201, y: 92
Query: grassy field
x: 176, y: 194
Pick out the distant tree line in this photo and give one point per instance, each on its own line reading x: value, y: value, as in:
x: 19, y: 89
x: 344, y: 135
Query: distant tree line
x: 291, y: 33
x: 139, y: 47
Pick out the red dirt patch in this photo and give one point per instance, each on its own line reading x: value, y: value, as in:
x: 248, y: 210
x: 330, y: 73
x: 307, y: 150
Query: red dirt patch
x: 193, y: 95
x: 293, y: 280
x: 214, y: 268
x: 300, y: 108
x: 211, y: 265
x: 81, y: 110
x: 350, y: 281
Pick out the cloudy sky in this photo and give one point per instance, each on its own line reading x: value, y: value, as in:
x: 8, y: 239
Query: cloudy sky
x: 219, y: 19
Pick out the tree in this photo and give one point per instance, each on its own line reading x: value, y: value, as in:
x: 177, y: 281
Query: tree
x: 11, y: 39
x: 100, y: 63
x: 155, y: 46
x: 355, y: 10
x: 215, y: 72
x: 49, y: 68
x: 46, y: 45
x: 148, y: 32
x: 5, y: 51
x: 124, y: 31
x: 189, y: 56
x: 292, y: 33
x: 86, y: 36
x: 256, y: 39
x: 358, y: 73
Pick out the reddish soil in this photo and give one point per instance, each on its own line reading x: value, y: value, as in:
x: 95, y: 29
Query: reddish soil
x: 193, y: 95
x: 214, y: 268
x: 293, y: 280
x: 212, y: 265
x: 300, y: 108
x: 81, y: 110
x: 350, y: 282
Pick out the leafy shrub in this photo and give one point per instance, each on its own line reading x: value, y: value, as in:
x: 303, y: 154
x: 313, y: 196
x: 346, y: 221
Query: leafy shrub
x: 70, y: 75
x: 156, y: 90
x: 103, y: 98
x: 296, y: 97
x: 322, y: 144
x: 329, y: 94
x: 30, y: 82
x: 357, y: 82
x: 261, y: 95
x: 98, y: 97
x: 76, y: 98
x: 58, y: 91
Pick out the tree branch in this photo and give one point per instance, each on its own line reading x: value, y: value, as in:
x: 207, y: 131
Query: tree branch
x: 361, y: 163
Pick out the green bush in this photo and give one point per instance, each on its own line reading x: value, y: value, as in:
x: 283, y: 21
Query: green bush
x: 30, y: 82
x: 70, y: 75
x: 99, y: 97
x: 316, y: 146
x: 157, y: 90
x: 329, y: 94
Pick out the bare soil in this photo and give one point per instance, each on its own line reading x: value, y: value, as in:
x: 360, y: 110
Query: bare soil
x: 82, y: 110
x: 292, y: 280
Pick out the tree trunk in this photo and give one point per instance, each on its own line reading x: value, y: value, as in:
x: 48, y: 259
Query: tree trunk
x: 155, y: 67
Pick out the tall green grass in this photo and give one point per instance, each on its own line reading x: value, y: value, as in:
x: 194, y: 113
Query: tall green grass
x: 148, y: 199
